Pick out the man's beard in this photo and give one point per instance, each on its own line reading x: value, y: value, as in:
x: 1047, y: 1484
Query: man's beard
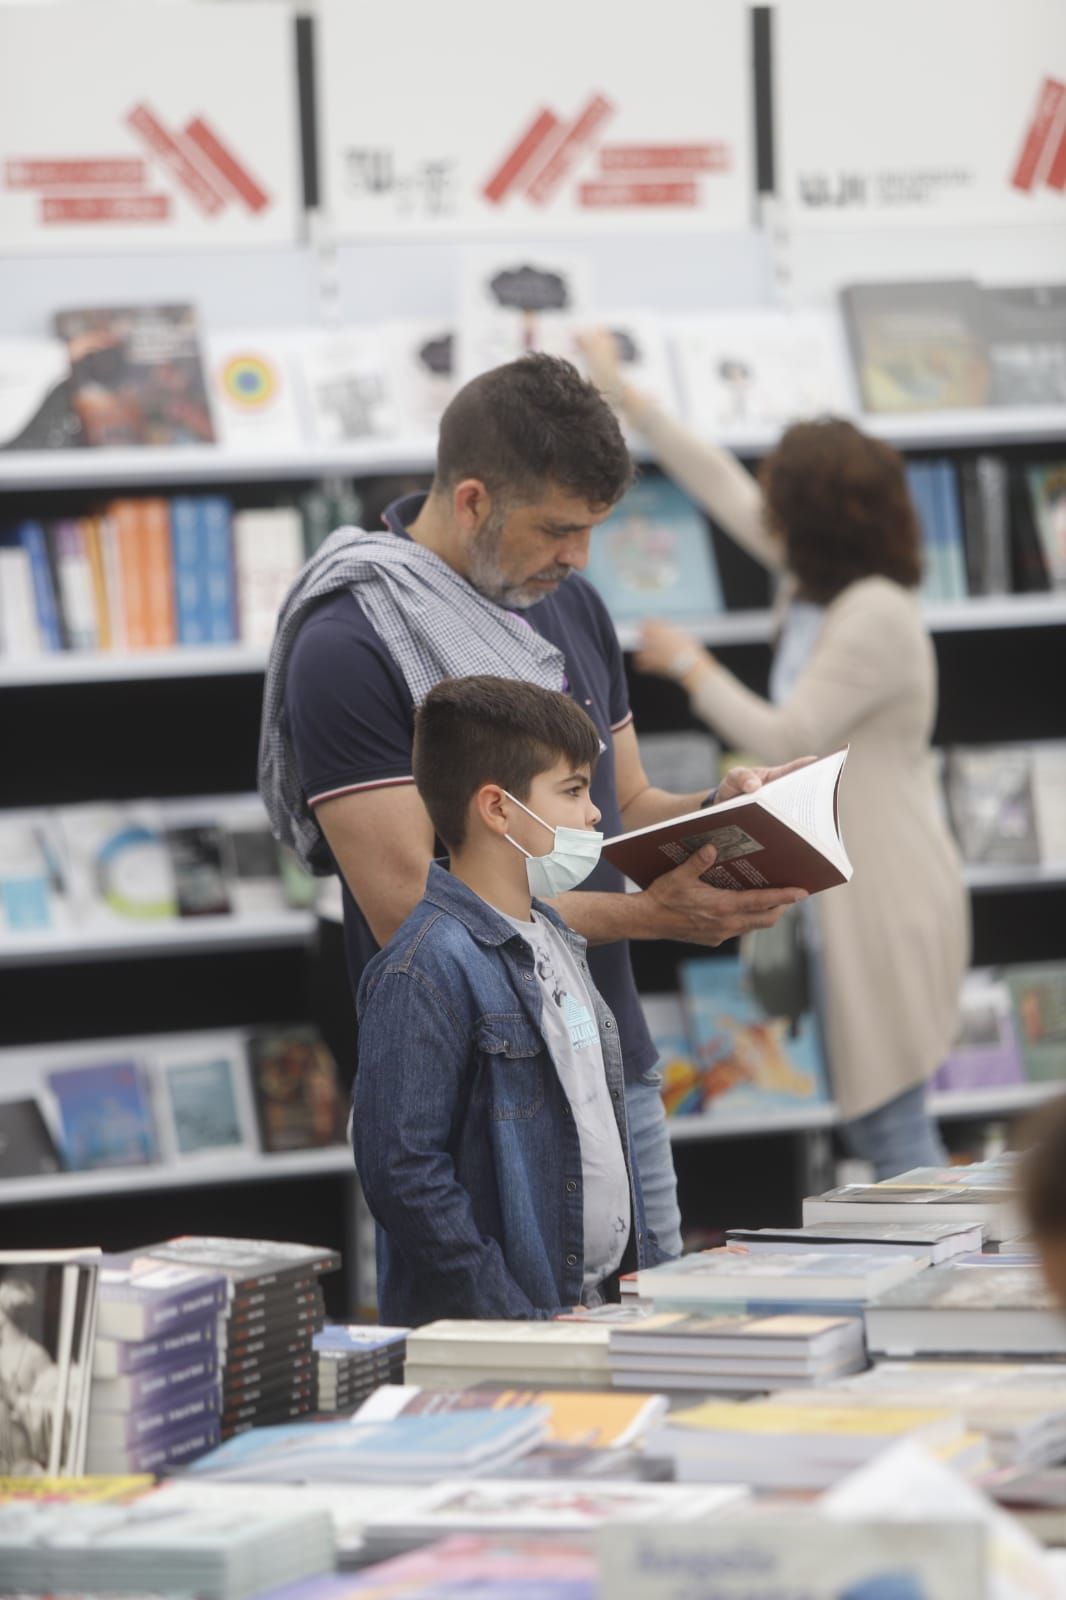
x: 486, y: 572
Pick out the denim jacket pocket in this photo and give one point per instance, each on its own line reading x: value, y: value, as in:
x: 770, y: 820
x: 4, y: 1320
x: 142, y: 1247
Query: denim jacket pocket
x: 514, y: 1057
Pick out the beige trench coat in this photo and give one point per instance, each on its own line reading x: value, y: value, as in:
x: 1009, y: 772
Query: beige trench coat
x: 896, y: 939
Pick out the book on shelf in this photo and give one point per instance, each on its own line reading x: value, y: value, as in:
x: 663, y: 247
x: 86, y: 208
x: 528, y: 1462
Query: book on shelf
x: 510, y: 305
x: 48, y: 1301
x: 748, y: 1062
x: 991, y: 800
x: 105, y: 1114
x: 204, y: 1104
x: 344, y: 381
x: 790, y: 1554
x: 786, y: 835
x: 760, y: 368
x: 1047, y: 492
x: 252, y: 385
x: 939, y: 1241
x: 1026, y: 332
x: 643, y: 347
x: 918, y: 346
x: 269, y: 552
x: 935, y: 492
x: 961, y: 1310
x: 296, y: 1089
x: 136, y: 376
x: 421, y: 359
x: 27, y: 1148
x: 34, y: 892
x: 984, y: 484
x: 653, y: 557
x: 986, y: 1052
x: 682, y: 1086
x: 1038, y: 992
x: 36, y: 408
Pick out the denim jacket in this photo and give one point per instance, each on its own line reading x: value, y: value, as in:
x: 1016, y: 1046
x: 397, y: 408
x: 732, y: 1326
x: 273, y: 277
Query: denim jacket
x: 464, y: 1139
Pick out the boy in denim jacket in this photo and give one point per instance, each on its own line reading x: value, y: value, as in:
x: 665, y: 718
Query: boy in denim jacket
x: 489, y: 1121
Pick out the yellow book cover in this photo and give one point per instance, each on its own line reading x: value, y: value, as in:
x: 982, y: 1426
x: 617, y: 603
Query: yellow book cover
x: 80, y: 1489
x: 594, y: 1420
x: 768, y: 1418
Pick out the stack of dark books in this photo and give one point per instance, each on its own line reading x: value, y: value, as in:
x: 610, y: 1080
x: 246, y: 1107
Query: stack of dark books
x: 156, y: 1390
x: 355, y: 1360
x: 274, y: 1308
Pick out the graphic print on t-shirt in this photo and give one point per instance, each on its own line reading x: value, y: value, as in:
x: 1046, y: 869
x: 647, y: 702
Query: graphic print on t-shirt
x: 580, y: 1023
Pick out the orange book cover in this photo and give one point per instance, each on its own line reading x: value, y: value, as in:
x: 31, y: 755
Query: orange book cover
x: 158, y: 573
x: 129, y: 539
x: 94, y: 549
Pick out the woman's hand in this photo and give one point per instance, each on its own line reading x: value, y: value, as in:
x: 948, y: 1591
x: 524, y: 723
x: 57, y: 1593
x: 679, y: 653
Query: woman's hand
x: 600, y: 350
x: 669, y: 652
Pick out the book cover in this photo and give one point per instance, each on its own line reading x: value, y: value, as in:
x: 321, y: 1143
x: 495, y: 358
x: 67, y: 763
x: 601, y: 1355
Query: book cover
x: 35, y: 892
x: 136, y: 377
x: 986, y: 1051
x: 732, y: 1276
x: 589, y: 1419
x: 190, y: 588
x: 513, y: 304
x: 105, y: 1115
x: 653, y: 557
x: 36, y: 403
x: 141, y: 1297
x: 785, y: 1556
x: 253, y: 391
x: 1038, y: 993
x: 990, y: 798
x: 253, y: 870
x: 45, y: 593
x: 158, y: 566
x: 955, y: 1288
x: 121, y: 872
x: 787, y: 835
x: 421, y: 359
x: 1025, y: 326
x: 1049, y: 797
x: 682, y: 1087
x: 268, y: 552
x: 27, y: 1149
x: 248, y: 1264
x: 749, y: 1063
x: 1047, y: 491
x: 198, y: 859
x: 37, y: 1325
x: 297, y: 1094
x: 761, y: 368
x: 918, y: 346
x: 203, y: 1104
x: 644, y: 354
x: 344, y: 380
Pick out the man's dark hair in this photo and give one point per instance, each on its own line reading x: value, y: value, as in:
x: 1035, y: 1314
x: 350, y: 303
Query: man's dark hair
x: 841, y: 503
x: 530, y: 424
x: 1044, y: 1173
x: 473, y: 731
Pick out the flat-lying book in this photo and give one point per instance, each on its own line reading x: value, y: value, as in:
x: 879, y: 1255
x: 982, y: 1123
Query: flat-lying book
x: 940, y: 1241
x: 785, y: 836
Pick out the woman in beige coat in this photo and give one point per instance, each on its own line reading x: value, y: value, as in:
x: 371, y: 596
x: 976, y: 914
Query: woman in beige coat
x: 853, y: 664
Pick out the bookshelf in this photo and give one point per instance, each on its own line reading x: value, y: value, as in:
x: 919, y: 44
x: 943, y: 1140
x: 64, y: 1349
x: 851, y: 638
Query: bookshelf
x: 280, y: 930
x: 246, y: 1167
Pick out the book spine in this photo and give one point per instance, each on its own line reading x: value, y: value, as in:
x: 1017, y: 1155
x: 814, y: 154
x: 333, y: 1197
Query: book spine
x: 152, y: 1455
x: 116, y: 1358
x: 94, y: 550
x: 975, y: 539
x: 950, y: 520
x: 992, y: 489
x: 116, y: 604
x: 216, y: 545
x: 20, y: 632
x: 189, y: 600
x: 129, y: 533
x: 155, y: 1386
x: 75, y: 586
x: 158, y: 573
x: 171, y: 1415
x: 45, y: 595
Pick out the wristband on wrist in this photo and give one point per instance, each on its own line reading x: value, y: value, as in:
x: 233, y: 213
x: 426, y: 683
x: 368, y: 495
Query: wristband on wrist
x: 683, y: 663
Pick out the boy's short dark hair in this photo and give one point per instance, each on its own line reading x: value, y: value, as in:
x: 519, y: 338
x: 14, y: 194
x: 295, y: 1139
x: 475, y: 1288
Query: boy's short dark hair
x: 1044, y: 1173
x: 533, y: 423
x: 473, y: 731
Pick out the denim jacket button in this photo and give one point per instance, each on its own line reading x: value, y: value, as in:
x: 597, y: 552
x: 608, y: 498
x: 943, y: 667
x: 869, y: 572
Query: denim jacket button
x: 528, y: 977
x: 615, y: 1094
x: 571, y: 1260
x: 608, y: 1023
x: 571, y: 1186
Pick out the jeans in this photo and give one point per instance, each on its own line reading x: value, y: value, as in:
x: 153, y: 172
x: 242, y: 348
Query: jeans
x: 897, y: 1136
x: 649, y: 1140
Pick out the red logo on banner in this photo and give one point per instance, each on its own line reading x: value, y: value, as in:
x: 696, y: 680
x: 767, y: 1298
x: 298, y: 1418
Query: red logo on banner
x: 549, y: 149
x: 1043, y: 154
x: 114, y: 188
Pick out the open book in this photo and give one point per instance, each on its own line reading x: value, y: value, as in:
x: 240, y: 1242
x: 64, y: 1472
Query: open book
x: 785, y: 836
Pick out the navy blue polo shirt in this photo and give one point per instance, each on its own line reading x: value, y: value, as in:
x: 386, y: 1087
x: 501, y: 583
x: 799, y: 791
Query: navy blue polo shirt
x: 351, y: 720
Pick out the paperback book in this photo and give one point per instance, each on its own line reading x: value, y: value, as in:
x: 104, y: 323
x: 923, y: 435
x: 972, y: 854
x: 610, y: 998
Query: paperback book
x: 1039, y: 995
x: 653, y: 557
x: 761, y: 369
x: 918, y: 346
x: 296, y: 1089
x: 105, y: 1115
x: 136, y: 377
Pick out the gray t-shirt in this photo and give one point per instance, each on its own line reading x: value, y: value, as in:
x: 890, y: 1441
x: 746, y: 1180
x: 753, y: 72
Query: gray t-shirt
x: 568, y: 1021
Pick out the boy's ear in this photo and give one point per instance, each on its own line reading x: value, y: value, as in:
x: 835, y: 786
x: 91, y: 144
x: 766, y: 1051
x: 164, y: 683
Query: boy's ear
x: 491, y: 808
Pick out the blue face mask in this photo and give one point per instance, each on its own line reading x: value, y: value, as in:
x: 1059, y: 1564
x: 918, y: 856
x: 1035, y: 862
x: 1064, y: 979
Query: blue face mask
x: 568, y: 863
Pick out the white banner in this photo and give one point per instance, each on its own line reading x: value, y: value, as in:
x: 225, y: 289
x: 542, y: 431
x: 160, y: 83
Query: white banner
x: 468, y: 117
x: 136, y: 126
x: 921, y: 111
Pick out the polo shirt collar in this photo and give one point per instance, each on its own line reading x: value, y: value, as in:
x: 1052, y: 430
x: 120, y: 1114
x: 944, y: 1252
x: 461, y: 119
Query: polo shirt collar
x: 399, y: 516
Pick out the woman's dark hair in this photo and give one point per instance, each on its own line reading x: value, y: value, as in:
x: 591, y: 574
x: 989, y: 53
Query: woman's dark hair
x: 1043, y: 1180
x: 478, y: 730
x: 531, y: 424
x: 840, y: 502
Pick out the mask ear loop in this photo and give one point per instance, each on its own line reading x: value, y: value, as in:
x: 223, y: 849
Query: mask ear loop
x: 527, y: 853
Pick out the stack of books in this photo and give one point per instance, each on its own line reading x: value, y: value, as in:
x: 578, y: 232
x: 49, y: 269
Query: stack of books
x: 453, y: 1355
x: 572, y: 1511
x: 354, y: 1360
x: 970, y: 1309
x: 273, y: 1310
x: 939, y: 1241
x: 773, y: 1445
x: 1019, y: 1407
x: 841, y: 1281
x: 156, y: 1390
x: 983, y: 1193
x: 401, y: 1449
x: 58, y: 1547
x: 678, y: 1351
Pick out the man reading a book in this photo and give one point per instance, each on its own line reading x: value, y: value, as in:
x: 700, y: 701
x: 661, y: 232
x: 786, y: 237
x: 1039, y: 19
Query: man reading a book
x: 490, y: 1125
x: 482, y: 575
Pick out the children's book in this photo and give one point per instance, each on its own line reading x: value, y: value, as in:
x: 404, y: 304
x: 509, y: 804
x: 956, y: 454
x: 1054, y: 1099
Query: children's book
x: 204, y: 1099
x: 749, y: 1062
x: 682, y: 1089
x: 761, y: 368
x: 786, y: 835
x: 653, y: 557
x: 918, y: 346
x: 511, y: 305
x: 136, y: 377
x: 106, y: 1116
x: 253, y: 390
x: 297, y: 1095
